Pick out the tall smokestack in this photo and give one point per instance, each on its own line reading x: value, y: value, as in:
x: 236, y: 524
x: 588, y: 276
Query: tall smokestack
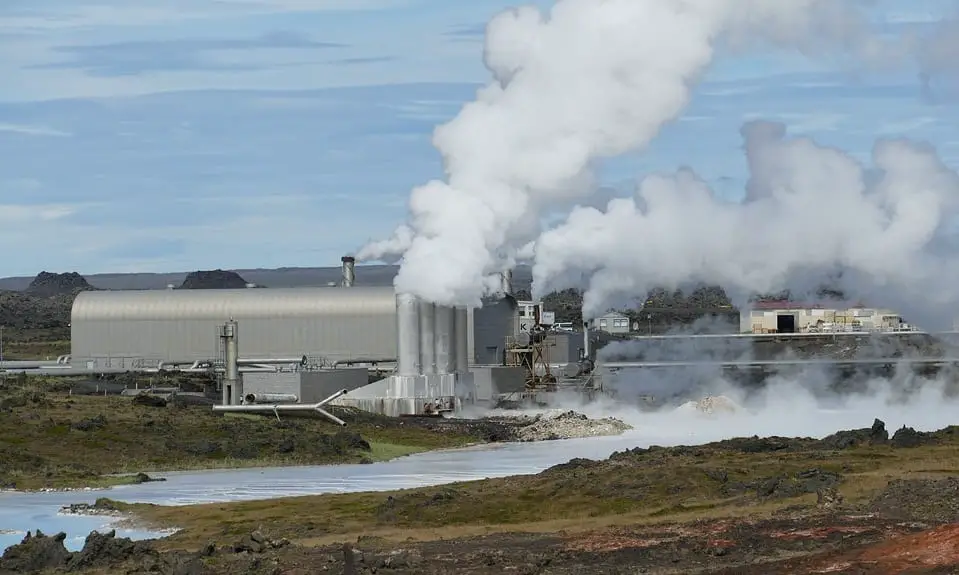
x: 349, y: 273
x: 506, y: 282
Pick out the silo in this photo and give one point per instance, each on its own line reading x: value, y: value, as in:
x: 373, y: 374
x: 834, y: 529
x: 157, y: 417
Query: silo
x: 408, y: 335
x: 444, y: 332
x: 461, y: 340
x: 427, y: 340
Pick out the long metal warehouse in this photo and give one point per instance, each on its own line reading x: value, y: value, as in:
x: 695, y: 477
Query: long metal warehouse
x: 132, y: 329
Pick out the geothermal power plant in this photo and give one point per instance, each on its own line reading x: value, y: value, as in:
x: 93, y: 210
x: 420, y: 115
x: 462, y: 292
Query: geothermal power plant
x: 373, y: 348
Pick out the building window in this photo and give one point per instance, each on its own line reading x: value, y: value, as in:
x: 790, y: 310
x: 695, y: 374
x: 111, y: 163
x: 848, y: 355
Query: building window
x: 602, y: 323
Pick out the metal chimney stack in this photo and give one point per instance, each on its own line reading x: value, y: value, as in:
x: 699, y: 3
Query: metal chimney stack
x: 349, y: 273
x: 231, y: 380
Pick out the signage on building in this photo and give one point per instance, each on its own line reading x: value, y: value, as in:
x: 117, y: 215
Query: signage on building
x: 547, y: 318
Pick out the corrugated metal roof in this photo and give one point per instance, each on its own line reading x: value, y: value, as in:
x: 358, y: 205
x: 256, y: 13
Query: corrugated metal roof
x: 238, y: 303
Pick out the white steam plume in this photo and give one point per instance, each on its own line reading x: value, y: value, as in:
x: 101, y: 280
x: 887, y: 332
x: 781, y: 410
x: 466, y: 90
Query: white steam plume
x: 590, y: 79
x: 809, y: 210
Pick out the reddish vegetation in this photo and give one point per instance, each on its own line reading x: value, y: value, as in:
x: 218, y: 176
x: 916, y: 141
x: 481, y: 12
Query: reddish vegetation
x: 937, y: 547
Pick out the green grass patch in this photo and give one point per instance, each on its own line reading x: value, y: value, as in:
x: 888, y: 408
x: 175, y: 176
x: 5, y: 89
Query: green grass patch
x: 659, y: 485
x: 51, y: 439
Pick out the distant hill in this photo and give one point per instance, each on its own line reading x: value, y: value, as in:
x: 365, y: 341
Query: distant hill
x: 48, y: 284
x: 213, y: 279
x: 371, y: 275
x: 44, y: 303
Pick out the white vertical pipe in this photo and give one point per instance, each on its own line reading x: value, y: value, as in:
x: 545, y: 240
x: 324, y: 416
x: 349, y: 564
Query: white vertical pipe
x: 231, y: 379
x: 444, y: 330
x: 585, y: 339
x: 462, y: 339
x: 427, y: 340
x: 470, y: 336
x: 506, y: 282
x: 407, y: 335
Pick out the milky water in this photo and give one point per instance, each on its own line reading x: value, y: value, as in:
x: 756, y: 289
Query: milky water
x: 784, y: 411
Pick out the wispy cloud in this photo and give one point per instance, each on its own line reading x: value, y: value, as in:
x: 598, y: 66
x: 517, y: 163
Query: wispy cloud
x: 28, y: 130
x: 136, y: 57
x: 182, y: 134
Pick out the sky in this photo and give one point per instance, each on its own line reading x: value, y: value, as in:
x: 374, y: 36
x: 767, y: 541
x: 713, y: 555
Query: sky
x: 177, y: 135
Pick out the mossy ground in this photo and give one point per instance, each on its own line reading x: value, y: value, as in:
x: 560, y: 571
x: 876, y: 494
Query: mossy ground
x: 49, y: 439
x: 659, y: 485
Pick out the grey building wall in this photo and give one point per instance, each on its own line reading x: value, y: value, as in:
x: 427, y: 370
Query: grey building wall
x: 615, y: 323
x: 492, y: 323
x: 143, y: 327
x: 261, y: 382
x: 493, y: 381
x: 309, y: 386
x: 318, y: 385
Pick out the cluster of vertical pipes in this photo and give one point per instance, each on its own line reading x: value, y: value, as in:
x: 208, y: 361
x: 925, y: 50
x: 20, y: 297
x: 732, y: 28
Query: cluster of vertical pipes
x: 432, y: 339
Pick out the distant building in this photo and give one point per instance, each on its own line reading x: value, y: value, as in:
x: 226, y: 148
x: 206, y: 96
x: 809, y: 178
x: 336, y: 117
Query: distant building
x: 611, y: 322
x: 796, y: 317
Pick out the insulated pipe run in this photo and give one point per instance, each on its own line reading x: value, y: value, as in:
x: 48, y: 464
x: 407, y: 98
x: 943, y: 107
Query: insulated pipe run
x: 270, y: 398
x: 408, y: 335
x: 277, y: 408
x: 302, y: 360
x: 369, y: 360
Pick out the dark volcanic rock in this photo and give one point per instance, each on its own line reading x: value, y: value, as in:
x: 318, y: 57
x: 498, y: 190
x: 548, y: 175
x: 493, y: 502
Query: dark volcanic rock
x: 909, y: 437
x: 19, y: 310
x: 213, y: 279
x: 149, y: 400
x: 875, y: 435
x: 104, y: 550
x: 48, y: 284
x: 35, y: 553
x: 934, y: 500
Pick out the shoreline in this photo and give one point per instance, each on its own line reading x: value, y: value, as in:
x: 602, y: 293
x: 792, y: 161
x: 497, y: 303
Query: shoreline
x: 274, y: 465
x: 156, y: 476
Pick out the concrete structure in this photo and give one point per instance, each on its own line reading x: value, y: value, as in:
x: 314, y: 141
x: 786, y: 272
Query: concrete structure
x: 492, y: 324
x: 307, y: 386
x: 797, y: 317
x: 436, y: 383
x: 564, y: 347
x: 138, y: 329
x: 611, y: 322
x: 493, y: 382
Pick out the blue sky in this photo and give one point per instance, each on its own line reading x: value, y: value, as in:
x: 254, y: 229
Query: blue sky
x: 185, y: 134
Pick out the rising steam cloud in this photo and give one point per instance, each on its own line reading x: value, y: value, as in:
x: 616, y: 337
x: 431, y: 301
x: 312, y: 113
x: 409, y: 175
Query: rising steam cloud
x: 808, y: 210
x: 594, y: 79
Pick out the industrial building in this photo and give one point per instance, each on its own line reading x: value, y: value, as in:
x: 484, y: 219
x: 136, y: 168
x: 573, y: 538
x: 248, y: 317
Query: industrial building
x: 300, y: 342
x: 796, y: 317
x: 612, y: 322
x: 142, y: 328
